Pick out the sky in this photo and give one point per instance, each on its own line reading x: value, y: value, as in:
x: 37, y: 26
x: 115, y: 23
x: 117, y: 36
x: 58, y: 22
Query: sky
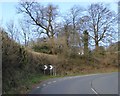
x: 8, y: 10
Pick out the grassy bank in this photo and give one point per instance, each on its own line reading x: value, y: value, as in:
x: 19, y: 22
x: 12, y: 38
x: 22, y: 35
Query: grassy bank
x: 18, y: 63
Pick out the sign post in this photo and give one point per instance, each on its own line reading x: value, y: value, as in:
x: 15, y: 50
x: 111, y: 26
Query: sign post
x: 54, y: 71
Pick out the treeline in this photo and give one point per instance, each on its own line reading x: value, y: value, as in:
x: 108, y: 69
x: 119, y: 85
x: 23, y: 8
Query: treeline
x: 63, y: 32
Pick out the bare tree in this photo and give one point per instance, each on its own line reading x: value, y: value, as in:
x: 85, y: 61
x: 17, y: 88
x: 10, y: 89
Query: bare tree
x: 72, y: 20
x: 25, y: 32
x: 85, y: 40
x: 101, y: 23
x: 13, y: 31
x: 75, y: 15
x: 42, y: 17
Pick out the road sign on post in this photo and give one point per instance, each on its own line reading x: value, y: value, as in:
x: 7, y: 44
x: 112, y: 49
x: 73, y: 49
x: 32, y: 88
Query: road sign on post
x: 50, y: 69
x: 45, y: 68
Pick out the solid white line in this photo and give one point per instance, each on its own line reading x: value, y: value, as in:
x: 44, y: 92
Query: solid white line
x: 91, y: 75
x: 86, y: 75
x: 94, y: 91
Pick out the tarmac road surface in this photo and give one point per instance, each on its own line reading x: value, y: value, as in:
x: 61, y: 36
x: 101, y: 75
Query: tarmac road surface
x: 86, y: 84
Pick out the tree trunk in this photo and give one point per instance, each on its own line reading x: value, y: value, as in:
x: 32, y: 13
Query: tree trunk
x: 52, y: 45
x: 96, y: 45
x: 85, y: 40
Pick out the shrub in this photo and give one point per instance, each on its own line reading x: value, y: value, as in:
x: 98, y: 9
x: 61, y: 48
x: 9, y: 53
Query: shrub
x: 42, y: 49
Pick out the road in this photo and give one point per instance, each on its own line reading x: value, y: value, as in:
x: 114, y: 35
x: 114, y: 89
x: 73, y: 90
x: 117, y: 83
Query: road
x: 87, y: 84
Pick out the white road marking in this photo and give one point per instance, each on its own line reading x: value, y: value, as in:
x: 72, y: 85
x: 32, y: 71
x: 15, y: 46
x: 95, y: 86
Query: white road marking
x: 38, y: 87
x: 86, y: 75
x: 65, y: 78
x: 54, y: 81
x: 94, y: 91
x: 49, y: 82
x: 44, y: 84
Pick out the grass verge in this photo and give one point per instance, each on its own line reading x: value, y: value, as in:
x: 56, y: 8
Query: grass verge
x: 32, y: 82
